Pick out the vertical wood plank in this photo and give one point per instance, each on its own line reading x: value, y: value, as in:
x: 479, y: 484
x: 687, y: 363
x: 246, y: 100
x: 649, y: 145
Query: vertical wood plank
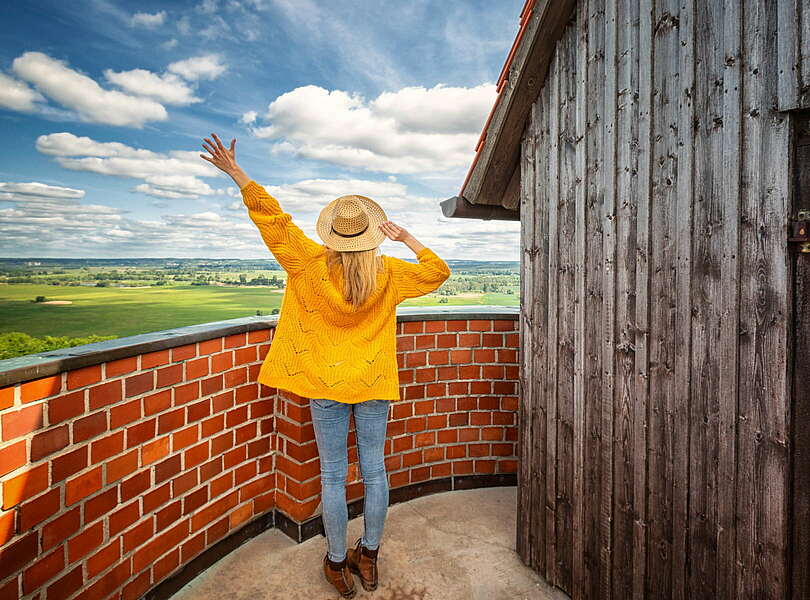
x: 608, y: 300
x: 624, y: 461
x: 528, y: 257
x: 667, y: 429
x: 567, y: 301
x: 592, y: 300
x: 728, y: 391
x: 762, y: 446
x: 540, y: 474
x: 642, y: 315
x: 552, y: 575
x: 580, y: 262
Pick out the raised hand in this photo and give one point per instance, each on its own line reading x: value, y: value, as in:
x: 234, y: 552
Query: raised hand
x: 395, y: 232
x: 221, y: 157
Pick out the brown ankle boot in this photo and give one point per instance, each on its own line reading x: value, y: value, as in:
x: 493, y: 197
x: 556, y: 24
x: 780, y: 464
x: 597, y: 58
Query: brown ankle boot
x: 338, y: 575
x: 363, y: 562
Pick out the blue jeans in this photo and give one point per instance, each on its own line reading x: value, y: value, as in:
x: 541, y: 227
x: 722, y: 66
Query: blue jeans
x: 330, y: 419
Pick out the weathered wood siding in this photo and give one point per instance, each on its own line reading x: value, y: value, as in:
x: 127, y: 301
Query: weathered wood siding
x: 794, y: 54
x: 656, y: 306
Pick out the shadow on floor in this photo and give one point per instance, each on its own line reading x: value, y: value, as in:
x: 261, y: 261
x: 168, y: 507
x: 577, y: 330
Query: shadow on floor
x: 445, y: 546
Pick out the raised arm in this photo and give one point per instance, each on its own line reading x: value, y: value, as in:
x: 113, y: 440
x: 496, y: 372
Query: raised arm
x: 288, y: 243
x: 413, y: 280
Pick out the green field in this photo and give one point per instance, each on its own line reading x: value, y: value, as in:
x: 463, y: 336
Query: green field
x: 123, y: 312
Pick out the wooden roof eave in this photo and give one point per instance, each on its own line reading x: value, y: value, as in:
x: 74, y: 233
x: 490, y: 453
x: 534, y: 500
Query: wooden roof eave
x: 494, y: 176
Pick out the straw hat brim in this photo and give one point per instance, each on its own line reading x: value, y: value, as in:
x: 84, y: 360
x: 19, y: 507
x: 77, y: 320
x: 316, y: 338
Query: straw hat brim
x: 372, y: 237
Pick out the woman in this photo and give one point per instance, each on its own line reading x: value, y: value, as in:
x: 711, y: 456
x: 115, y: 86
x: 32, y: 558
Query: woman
x: 335, y: 343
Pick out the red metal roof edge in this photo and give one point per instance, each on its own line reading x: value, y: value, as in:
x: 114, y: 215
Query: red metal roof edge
x: 525, y: 13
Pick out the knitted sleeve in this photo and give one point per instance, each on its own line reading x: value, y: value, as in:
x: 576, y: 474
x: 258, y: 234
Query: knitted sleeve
x: 414, y: 280
x: 290, y: 246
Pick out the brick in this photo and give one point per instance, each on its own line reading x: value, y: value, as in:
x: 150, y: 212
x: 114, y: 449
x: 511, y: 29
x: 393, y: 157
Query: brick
x: 121, y: 366
x: 186, y: 393
x: 221, y: 362
x: 169, y: 376
x: 6, y: 399
x: 48, y: 442
x: 213, y: 425
x: 164, y: 542
x: 141, y: 433
x: 185, y: 437
x: 245, y: 355
x: 43, y: 570
x: 154, y: 450
x: 137, y: 536
x: 105, y: 394
x: 198, y: 410
x: 82, y: 486
x: 121, y: 466
x: 89, y: 426
x: 106, y: 447
x: 124, y: 517
x: 183, y: 483
x: 66, y: 465
x: 88, y: 540
x: 66, y: 407
x: 156, y: 498
x: 83, y: 377
x: 137, y: 588
x: 171, y: 420
x: 24, y: 486
x: 156, y: 403
x: 104, y: 558
x: 12, y: 457
x: 100, y: 505
x: 195, y: 455
x: 21, y: 422
x: 246, y: 393
x: 210, y: 346
x: 154, y: 359
x: 138, y: 384
x: 135, y: 485
x: 125, y: 413
x: 235, y: 340
x: 15, y: 556
x: 38, y: 389
x: 197, y: 368
x: 167, y: 469
x: 108, y: 584
x: 39, y: 509
x: 212, y: 385
x: 66, y: 586
x: 61, y: 528
x: 184, y: 352
x: 167, y: 515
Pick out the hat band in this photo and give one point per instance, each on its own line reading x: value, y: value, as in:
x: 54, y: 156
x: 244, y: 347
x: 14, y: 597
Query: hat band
x: 350, y: 234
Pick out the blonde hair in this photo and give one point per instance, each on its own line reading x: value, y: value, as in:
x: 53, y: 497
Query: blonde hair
x: 360, y: 268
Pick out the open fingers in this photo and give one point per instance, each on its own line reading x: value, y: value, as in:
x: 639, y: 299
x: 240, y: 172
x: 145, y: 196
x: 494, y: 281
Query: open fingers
x: 219, y: 143
x: 210, y: 148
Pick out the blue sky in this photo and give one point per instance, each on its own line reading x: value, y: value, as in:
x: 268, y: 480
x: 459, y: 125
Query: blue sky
x: 104, y: 106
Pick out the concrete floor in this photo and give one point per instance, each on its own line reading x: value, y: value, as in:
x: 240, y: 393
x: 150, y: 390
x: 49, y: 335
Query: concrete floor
x: 445, y: 546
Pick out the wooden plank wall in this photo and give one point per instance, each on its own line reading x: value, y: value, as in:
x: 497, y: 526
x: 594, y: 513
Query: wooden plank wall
x: 794, y: 54
x: 655, y: 411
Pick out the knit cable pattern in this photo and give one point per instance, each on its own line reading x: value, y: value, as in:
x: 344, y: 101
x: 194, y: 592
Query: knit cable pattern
x: 322, y: 346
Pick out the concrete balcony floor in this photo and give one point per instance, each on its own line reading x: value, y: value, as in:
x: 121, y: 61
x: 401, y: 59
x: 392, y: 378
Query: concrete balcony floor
x: 445, y: 546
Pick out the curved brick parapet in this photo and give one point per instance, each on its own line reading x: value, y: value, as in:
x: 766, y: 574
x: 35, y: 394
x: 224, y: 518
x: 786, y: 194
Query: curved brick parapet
x: 127, y: 466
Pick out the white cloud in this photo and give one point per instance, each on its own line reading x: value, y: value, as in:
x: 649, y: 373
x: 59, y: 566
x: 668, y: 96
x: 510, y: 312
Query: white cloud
x: 16, y: 95
x: 172, y: 43
x: 34, y: 188
x: 208, y: 6
x: 167, y: 88
x: 207, y: 66
x: 172, y: 175
x: 82, y: 94
x: 249, y: 117
x: 148, y: 20
x: 414, y: 130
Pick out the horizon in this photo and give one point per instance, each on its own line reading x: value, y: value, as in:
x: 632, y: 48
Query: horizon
x: 387, y: 102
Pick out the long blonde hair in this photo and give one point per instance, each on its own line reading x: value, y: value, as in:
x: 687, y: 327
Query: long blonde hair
x: 360, y: 268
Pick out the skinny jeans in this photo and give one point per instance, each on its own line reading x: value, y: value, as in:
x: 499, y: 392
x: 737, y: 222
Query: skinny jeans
x: 330, y: 420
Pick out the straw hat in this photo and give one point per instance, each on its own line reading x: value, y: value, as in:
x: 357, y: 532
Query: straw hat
x: 351, y: 223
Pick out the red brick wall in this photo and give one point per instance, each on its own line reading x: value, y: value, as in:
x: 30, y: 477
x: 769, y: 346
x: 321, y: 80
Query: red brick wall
x: 113, y: 476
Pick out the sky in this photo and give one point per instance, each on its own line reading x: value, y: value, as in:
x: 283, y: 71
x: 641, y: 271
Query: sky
x: 104, y: 106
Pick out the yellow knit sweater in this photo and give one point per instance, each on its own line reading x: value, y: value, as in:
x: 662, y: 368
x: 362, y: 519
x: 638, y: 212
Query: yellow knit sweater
x: 322, y: 347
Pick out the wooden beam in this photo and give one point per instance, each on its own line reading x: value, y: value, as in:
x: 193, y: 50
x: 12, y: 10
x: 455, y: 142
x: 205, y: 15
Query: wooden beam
x: 458, y: 207
x: 501, y: 151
